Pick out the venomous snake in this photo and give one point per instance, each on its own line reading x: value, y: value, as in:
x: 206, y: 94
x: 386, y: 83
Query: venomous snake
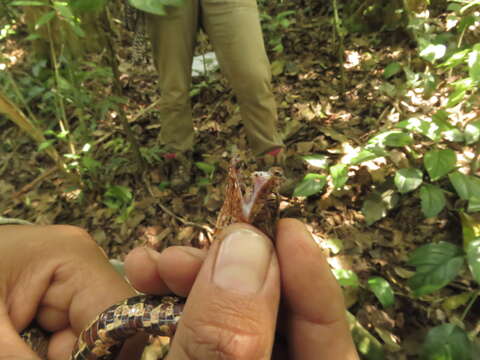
x: 157, y: 315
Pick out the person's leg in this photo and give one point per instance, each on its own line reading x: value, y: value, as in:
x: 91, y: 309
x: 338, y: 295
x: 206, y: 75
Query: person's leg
x: 173, y: 41
x: 233, y: 27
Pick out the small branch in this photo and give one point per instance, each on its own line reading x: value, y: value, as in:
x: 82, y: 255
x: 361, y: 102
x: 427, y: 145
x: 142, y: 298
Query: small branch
x: 35, y: 182
x: 13, y: 221
x: 469, y: 306
x: 142, y: 112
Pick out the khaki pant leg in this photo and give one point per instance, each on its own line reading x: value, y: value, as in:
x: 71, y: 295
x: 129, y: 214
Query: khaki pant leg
x: 233, y: 27
x: 173, y: 41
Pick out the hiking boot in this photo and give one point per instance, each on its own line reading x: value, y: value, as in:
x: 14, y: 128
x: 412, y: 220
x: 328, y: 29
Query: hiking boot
x: 179, y: 170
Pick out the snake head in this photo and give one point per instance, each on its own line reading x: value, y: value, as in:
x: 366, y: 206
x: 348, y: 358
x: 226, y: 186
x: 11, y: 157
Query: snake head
x: 247, y: 197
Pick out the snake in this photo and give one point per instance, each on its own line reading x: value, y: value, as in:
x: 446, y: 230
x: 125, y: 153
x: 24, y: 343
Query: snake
x: 254, y: 203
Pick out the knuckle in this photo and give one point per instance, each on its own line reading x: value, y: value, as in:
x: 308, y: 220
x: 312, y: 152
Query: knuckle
x: 234, y: 332
x: 74, y: 233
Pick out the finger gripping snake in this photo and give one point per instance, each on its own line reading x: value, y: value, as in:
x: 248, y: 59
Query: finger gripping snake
x: 253, y: 203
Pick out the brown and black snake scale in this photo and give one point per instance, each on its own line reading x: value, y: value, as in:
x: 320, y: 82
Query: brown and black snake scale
x: 105, y: 335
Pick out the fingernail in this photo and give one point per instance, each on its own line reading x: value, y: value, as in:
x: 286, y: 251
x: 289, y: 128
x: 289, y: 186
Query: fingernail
x: 242, y: 262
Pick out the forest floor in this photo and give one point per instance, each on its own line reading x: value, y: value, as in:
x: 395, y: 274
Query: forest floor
x: 315, y: 117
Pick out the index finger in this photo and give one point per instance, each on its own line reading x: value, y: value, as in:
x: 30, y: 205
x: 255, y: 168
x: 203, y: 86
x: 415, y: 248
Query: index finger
x: 317, y: 323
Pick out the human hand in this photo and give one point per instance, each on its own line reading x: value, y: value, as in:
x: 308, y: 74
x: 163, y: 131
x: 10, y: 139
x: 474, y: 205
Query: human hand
x: 58, y: 275
x: 234, y: 292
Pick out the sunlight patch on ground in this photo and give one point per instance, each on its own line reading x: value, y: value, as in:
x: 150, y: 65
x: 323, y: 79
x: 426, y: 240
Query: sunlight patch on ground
x: 11, y: 59
x: 353, y: 59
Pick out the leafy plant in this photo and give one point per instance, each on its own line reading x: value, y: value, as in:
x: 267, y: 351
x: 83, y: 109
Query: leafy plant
x: 382, y: 290
x: 448, y: 342
x: 120, y: 199
x: 208, y: 170
x: 310, y: 185
x: 274, y: 26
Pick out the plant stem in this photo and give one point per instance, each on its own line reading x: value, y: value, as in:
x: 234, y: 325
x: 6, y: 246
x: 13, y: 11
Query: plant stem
x: 62, y: 117
x: 117, y: 87
x: 476, y: 161
x: 341, y: 46
x: 470, y: 304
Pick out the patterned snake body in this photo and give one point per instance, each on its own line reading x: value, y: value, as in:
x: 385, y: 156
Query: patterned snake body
x: 104, y: 337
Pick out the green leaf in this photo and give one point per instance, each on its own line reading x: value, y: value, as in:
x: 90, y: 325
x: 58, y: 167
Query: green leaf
x: 439, y: 163
x: 460, y: 90
x: 441, y: 115
x: 77, y: 29
x: 454, y: 135
x: 398, y: 139
x: 456, y: 59
x: 310, y: 185
x: 436, y: 265
x: 339, y: 174
x: 117, y: 196
x: 474, y: 63
x: 164, y: 185
x: 374, y: 208
x: 474, y: 204
x: 470, y: 228
x: 28, y: 3
x: 473, y: 258
x: 428, y: 128
x: 318, y: 161
x: 335, y: 245
x: 363, y: 155
x: 45, y: 145
x: 382, y: 290
x: 466, y: 186
x: 433, y: 52
x: 88, y: 5
x: 472, y: 132
x: 203, y: 182
x: 455, y: 301
x: 455, y: 97
x: 392, y: 69
x: 205, y: 167
x: 392, y: 138
x: 45, y: 18
x: 156, y: 7
x: 408, y: 180
x: 90, y: 163
x: 346, y: 277
x: 447, y: 342
x: 433, y: 200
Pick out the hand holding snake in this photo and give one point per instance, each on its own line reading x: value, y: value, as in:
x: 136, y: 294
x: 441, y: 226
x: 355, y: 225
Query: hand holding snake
x: 233, y: 293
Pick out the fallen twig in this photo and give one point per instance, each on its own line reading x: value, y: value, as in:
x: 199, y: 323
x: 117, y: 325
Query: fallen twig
x: 35, y: 182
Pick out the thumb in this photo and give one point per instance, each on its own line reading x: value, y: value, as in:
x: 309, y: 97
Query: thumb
x: 232, y: 308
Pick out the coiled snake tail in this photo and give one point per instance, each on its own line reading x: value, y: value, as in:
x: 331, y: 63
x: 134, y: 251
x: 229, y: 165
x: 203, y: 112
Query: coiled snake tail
x: 105, y: 336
